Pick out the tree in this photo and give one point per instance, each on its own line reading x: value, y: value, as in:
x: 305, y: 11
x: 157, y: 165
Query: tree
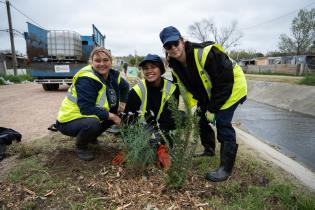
x: 206, y: 30
x: 312, y: 49
x: 134, y: 60
x: 242, y: 54
x: 303, y: 34
x: 277, y: 54
x: 201, y: 30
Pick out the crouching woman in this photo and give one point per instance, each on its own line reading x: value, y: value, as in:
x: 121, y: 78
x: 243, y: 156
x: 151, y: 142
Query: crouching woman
x: 92, y: 103
x: 149, y: 101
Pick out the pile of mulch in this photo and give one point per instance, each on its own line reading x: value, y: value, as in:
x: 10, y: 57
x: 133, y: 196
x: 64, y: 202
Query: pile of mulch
x: 99, y: 183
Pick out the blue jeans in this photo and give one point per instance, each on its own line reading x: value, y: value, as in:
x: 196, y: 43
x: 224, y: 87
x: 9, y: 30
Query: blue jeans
x: 225, y: 130
x: 207, y: 135
x: 86, y: 130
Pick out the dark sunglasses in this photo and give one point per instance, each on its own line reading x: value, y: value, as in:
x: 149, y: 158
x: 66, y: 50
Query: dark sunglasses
x: 169, y: 45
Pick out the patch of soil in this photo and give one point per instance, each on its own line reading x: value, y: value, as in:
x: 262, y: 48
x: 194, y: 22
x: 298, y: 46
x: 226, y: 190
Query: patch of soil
x: 111, y: 186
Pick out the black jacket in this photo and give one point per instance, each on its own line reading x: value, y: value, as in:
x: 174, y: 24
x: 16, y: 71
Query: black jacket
x: 218, y: 66
x: 166, y: 121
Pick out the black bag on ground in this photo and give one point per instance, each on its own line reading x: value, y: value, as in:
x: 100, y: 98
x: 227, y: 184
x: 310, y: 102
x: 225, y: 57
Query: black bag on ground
x: 7, y: 135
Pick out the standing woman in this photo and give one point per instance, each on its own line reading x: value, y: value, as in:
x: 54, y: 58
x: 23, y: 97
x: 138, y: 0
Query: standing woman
x: 94, y: 99
x: 217, y: 84
x: 149, y: 101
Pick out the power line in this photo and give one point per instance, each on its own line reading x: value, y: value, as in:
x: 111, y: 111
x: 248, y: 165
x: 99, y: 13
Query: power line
x: 15, y: 32
x: 25, y: 15
x: 269, y: 21
x: 18, y: 32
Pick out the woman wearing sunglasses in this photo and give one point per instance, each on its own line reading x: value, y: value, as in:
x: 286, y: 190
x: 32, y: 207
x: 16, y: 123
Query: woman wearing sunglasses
x: 216, y: 84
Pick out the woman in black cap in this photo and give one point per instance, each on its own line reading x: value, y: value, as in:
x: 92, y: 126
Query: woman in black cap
x: 149, y: 101
x: 216, y: 84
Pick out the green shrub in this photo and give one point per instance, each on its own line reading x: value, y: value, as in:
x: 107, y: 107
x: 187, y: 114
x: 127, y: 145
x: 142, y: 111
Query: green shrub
x: 2, y: 81
x: 12, y: 78
x: 308, y: 80
x: 26, y: 77
x: 137, y: 151
x: 184, y: 140
x: 16, y: 79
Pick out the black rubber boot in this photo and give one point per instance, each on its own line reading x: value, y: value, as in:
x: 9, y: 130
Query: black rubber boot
x: 207, y: 152
x: 82, y: 149
x: 227, y: 154
x: 84, y: 154
x: 95, y: 142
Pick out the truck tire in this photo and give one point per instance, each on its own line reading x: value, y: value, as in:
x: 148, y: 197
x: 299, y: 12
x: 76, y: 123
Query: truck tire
x: 50, y: 87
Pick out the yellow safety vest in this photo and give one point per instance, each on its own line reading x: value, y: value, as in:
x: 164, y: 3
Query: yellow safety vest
x: 187, y: 96
x: 141, y: 90
x: 239, y: 86
x: 69, y: 109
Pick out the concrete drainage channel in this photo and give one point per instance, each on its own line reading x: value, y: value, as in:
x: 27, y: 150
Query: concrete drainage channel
x: 289, y: 97
x: 303, y: 174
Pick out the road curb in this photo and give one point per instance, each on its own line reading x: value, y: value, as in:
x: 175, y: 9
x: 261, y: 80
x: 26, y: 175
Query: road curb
x: 303, y: 174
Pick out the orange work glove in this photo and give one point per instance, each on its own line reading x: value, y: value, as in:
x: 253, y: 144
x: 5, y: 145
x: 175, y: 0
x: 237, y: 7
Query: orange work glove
x: 163, y: 158
x: 118, y: 159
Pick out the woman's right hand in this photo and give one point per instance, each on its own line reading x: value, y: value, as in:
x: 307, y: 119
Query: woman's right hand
x: 115, y: 119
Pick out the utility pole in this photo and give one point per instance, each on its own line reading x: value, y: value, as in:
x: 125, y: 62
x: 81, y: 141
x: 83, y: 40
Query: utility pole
x: 14, y: 62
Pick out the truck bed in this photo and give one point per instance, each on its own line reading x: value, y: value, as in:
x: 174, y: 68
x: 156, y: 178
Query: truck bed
x: 54, y: 70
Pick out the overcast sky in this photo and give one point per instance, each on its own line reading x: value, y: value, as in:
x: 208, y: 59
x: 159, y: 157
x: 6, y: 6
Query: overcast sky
x: 134, y: 25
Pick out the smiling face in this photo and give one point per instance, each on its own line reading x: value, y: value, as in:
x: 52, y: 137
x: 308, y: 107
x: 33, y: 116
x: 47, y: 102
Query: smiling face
x: 176, y: 50
x: 152, y: 73
x: 101, y: 63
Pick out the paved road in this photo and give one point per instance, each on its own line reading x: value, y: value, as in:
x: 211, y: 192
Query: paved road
x: 29, y: 109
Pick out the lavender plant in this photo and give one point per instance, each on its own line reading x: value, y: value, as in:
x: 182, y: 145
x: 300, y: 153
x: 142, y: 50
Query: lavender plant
x: 136, y: 135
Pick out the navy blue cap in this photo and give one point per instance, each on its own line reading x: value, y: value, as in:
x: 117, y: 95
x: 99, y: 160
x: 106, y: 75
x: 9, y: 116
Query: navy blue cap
x: 154, y: 59
x: 169, y: 34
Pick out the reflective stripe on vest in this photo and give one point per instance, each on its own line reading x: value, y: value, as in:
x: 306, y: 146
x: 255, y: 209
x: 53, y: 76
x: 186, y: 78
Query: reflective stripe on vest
x: 102, y: 101
x: 141, y: 90
x: 239, y: 86
x: 200, y: 60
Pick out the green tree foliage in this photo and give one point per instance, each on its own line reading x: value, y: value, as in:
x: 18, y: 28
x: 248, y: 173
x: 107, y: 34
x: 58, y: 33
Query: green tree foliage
x: 243, y: 54
x: 277, y: 54
x: 206, y: 30
x: 132, y: 60
x: 135, y: 60
x: 303, y: 34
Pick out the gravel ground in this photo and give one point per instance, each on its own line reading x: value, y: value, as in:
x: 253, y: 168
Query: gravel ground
x: 28, y: 109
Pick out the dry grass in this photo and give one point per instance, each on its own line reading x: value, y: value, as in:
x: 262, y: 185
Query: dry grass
x: 274, y: 78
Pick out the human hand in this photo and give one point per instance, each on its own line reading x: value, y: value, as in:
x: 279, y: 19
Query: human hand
x: 210, y: 117
x: 121, y: 107
x: 118, y: 159
x: 163, y: 158
x: 115, y: 119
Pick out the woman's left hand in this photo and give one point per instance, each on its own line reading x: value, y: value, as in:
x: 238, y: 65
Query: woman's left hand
x: 121, y: 107
x: 115, y: 119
